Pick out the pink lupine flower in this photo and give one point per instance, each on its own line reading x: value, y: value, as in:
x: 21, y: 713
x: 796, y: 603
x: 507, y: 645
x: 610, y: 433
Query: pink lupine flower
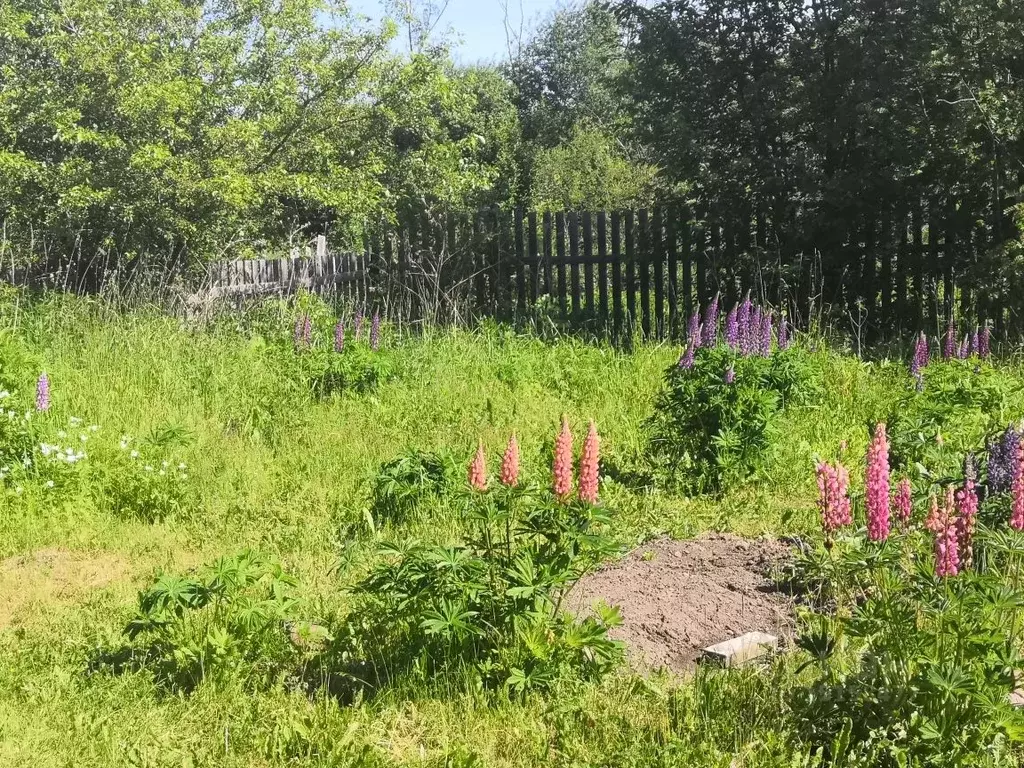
x: 966, y: 516
x: 562, y: 465
x: 902, y: 503
x: 339, y: 337
x: 934, y: 520
x: 478, y: 469
x: 833, y: 498
x: 1017, y: 516
x: 947, y: 549
x: 43, y: 392
x: 588, y: 466
x: 876, y: 490
x: 510, y: 463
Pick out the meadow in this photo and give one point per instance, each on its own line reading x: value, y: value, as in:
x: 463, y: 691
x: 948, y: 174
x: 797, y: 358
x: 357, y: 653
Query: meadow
x: 198, y: 439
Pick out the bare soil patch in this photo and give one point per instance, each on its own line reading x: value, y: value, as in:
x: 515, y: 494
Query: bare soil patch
x: 677, y: 597
x: 53, y: 575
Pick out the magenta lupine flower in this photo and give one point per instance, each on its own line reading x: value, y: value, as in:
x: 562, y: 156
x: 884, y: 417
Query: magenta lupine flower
x: 903, y: 503
x: 783, y: 340
x: 358, y: 323
x: 730, y: 375
x: 966, y: 520
x: 1017, y: 509
x: 949, y: 342
x: 876, y: 490
x: 732, y: 332
x: 983, y: 342
x: 375, y: 331
x: 710, y: 331
x: 765, y: 345
x: 339, y: 336
x: 303, y: 331
x: 743, y: 324
x: 43, y: 392
x: 833, y: 498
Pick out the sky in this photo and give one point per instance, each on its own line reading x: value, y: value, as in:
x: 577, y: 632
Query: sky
x: 477, y: 27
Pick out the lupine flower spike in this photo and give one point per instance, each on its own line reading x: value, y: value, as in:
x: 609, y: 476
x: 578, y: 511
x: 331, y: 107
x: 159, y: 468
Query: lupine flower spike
x: 686, y: 359
x: 358, y: 324
x: 983, y: 342
x: 920, y: 358
x: 783, y: 340
x: 339, y: 337
x: 947, y: 547
x: 732, y: 333
x: 710, y: 330
x: 375, y: 332
x: 964, y: 347
x: 903, y: 503
x: 730, y: 375
x: 43, y: 393
x: 478, y: 469
x: 303, y: 331
x: 765, y: 346
x: 588, y: 466
x: 562, y: 464
x: 876, y: 491
x: 1002, y: 461
x: 743, y: 325
x: 934, y: 520
x: 1017, y: 516
x: 833, y: 499
x: 693, y: 330
x: 510, y: 463
x: 972, y: 348
x: 753, y: 331
x: 949, y: 342
x: 966, y: 518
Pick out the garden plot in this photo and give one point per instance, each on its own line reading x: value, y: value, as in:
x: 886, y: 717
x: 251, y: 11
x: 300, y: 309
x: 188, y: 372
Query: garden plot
x: 678, y: 597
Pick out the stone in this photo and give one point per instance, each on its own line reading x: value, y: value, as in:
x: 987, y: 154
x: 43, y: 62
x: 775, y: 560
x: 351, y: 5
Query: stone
x: 740, y: 650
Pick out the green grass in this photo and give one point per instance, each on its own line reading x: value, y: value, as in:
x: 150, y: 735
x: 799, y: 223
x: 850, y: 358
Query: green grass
x: 275, y: 469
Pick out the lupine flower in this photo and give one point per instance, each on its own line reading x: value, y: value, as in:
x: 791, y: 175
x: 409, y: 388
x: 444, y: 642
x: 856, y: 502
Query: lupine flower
x: 588, y: 466
x: 510, y: 463
x: 765, y: 345
x: 730, y: 375
x: 686, y: 359
x: 966, y: 511
x: 964, y: 347
x: 339, y: 336
x: 972, y: 348
x: 1017, y: 516
x: 710, y: 330
x: 358, y: 323
x: 902, y: 503
x: 949, y: 342
x: 920, y: 358
x: 743, y: 324
x: 562, y: 464
x: 833, y: 498
x: 732, y: 331
x: 876, y: 492
x: 693, y: 330
x: 753, y: 339
x: 375, y: 331
x: 983, y: 342
x: 1002, y: 461
x: 783, y: 340
x: 478, y: 469
x: 43, y: 392
x: 303, y: 331
x: 934, y: 520
x: 947, y: 545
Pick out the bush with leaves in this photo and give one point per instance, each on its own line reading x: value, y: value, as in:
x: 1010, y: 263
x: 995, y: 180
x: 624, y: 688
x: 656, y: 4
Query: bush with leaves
x: 491, y: 606
x: 236, y: 616
x: 708, y: 433
x: 407, y: 481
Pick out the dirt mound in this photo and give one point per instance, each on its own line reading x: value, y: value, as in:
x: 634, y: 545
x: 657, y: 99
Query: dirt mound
x: 677, y: 597
x: 52, y: 575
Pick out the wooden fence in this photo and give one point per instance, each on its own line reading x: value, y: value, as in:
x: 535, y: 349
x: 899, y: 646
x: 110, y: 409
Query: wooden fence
x: 645, y: 271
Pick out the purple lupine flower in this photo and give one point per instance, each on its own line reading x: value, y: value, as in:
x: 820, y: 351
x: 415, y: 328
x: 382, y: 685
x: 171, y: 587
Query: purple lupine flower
x: 303, y: 331
x: 375, y: 331
x: 693, y: 329
x: 920, y: 358
x: 983, y: 342
x: 1002, y: 461
x: 743, y: 324
x: 339, y: 336
x: 730, y: 375
x: 964, y: 347
x: 43, y: 392
x: 732, y: 332
x: 358, y: 323
x: 765, y: 340
x: 949, y: 342
x: 753, y: 340
x: 710, y: 332
x: 973, y: 344
x: 783, y: 340
x: 686, y: 359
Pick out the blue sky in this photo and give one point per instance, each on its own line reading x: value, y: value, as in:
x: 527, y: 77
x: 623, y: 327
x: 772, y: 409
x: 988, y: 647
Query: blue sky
x: 477, y: 27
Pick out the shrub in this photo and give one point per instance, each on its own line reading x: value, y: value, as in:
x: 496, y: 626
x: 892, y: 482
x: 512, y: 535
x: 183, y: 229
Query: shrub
x: 236, y: 615
x: 708, y: 433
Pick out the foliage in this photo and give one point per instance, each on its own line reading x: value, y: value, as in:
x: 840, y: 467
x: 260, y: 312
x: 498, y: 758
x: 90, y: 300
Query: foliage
x: 706, y: 434
x: 407, y: 481
x: 144, y: 479
x: 491, y: 607
x: 234, y: 617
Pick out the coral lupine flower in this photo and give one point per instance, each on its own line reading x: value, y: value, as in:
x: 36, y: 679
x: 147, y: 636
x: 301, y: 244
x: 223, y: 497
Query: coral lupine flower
x: 510, y: 463
x: 478, y: 469
x: 833, y: 499
x: 949, y: 342
x: 966, y: 511
x: 303, y: 331
x: 339, y: 337
x: 730, y: 375
x: 934, y: 520
x: 783, y: 340
x: 947, y: 546
x: 876, y: 491
x: 710, y: 330
x: 1017, y: 518
x: 902, y: 503
x: 588, y: 466
x: 375, y: 331
x: 983, y: 342
x: 732, y: 331
x: 561, y: 467
x: 43, y: 392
